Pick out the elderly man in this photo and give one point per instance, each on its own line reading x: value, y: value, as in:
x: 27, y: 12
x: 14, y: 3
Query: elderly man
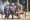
x: 18, y: 9
x: 7, y: 10
x: 12, y: 9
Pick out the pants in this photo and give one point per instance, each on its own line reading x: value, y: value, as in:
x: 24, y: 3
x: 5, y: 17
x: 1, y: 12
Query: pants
x: 12, y: 13
x: 7, y: 14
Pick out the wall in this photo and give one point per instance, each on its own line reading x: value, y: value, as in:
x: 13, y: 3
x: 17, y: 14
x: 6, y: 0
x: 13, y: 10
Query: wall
x: 29, y: 5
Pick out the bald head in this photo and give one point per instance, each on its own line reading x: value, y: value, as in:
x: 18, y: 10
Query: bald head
x: 12, y: 4
x: 8, y: 3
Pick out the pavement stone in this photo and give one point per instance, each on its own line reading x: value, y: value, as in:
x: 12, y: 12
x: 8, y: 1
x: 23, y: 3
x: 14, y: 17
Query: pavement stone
x: 22, y: 17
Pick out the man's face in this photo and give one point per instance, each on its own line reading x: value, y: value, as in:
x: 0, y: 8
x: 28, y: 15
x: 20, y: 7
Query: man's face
x: 12, y: 4
x: 8, y: 3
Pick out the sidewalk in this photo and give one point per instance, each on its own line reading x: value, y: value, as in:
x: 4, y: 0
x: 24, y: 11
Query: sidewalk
x: 28, y: 16
x: 22, y: 17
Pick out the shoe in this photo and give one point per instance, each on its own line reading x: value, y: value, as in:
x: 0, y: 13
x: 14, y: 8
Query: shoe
x: 18, y: 18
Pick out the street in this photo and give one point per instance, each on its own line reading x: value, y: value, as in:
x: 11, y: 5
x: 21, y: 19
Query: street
x: 15, y: 17
x: 28, y: 16
x: 22, y: 17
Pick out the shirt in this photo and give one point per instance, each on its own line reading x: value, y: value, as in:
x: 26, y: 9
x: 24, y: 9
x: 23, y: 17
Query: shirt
x: 7, y: 7
x: 13, y: 8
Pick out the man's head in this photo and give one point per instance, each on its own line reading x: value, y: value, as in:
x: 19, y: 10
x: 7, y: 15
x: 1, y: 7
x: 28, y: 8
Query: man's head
x: 12, y: 4
x: 8, y: 3
x: 17, y: 3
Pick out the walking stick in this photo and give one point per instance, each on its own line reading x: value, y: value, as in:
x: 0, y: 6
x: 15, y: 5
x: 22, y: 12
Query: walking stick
x: 25, y: 13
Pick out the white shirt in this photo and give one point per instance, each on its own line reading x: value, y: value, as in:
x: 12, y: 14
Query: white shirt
x: 13, y: 8
x: 21, y: 7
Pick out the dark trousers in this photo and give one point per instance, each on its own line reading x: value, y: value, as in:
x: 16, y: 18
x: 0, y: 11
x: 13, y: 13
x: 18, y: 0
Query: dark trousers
x: 12, y: 13
x: 7, y: 14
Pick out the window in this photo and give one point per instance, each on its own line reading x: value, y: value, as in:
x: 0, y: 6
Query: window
x: 22, y: 2
x: 13, y: 1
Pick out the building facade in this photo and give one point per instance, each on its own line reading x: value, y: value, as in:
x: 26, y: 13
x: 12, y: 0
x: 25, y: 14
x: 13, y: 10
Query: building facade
x: 23, y: 2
